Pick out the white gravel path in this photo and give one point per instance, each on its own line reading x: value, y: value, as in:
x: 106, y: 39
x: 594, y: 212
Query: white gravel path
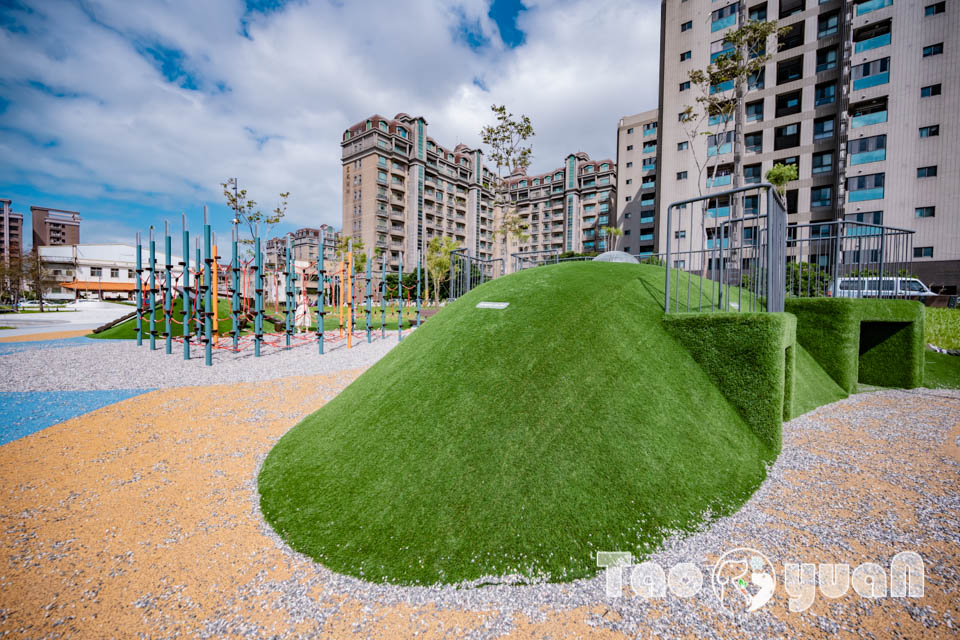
x: 116, y: 364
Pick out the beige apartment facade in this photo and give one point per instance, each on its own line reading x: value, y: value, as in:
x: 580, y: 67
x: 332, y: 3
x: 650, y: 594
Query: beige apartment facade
x: 637, y: 182
x: 858, y: 95
x: 401, y: 188
x: 54, y: 227
x: 11, y: 231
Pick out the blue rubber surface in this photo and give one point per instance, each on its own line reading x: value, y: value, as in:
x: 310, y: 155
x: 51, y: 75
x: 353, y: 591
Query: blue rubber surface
x: 26, y: 412
x: 7, y: 348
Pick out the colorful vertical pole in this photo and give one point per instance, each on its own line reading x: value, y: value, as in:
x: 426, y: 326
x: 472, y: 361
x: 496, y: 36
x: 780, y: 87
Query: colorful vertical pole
x: 350, y: 294
x: 369, y: 295
x: 383, y: 298
x: 419, y: 257
x: 340, y: 295
x: 185, y: 291
x: 208, y: 290
x: 288, y: 323
x: 153, y: 292
x: 167, y: 294
x: 400, y: 299
x: 257, y: 294
x: 235, y: 286
x: 139, y: 293
x: 198, y: 293
x: 215, y: 290
x: 321, y: 276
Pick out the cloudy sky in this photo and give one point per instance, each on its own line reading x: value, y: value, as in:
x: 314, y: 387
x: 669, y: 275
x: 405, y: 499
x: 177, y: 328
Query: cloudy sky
x: 131, y: 111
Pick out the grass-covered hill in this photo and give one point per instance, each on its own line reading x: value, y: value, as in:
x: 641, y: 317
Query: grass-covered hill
x: 522, y: 440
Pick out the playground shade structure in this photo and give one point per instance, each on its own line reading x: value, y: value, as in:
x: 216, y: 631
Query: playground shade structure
x: 522, y: 440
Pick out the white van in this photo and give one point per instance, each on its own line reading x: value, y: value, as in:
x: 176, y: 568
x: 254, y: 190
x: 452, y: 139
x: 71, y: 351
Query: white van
x: 866, y: 287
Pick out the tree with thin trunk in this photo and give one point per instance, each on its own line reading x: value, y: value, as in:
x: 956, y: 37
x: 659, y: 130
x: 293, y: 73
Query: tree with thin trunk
x: 611, y: 232
x: 37, y: 277
x: 507, y: 151
x: 249, y: 216
x: 438, y: 261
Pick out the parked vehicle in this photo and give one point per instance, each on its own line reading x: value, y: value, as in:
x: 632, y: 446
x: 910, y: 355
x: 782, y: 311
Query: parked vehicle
x: 876, y: 287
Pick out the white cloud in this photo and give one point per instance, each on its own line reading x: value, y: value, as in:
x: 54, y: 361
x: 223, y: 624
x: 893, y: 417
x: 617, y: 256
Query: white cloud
x: 270, y: 108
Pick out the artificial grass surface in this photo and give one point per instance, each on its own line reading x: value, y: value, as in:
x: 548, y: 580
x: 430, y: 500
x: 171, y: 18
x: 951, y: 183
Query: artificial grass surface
x: 127, y: 330
x: 814, y: 387
x: 941, y: 371
x: 942, y: 327
x: 524, y: 440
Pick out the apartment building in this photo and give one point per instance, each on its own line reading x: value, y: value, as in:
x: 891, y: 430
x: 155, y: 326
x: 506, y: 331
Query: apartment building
x: 563, y: 209
x: 305, y: 246
x: 11, y: 230
x: 858, y: 95
x: 52, y: 227
x: 96, y: 271
x: 637, y: 182
x: 401, y: 188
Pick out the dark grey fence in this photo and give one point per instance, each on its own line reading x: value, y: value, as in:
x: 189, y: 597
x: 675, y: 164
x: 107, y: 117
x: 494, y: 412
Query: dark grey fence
x: 467, y: 272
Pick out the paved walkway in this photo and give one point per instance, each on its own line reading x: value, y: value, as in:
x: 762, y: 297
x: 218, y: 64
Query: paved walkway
x: 141, y: 518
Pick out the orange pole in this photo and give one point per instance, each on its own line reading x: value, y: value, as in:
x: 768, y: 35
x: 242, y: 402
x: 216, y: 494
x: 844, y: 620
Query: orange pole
x: 340, y: 297
x: 350, y: 300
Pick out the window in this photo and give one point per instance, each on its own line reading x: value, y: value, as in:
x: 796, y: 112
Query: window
x: 678, y: 235
x: 790, y: 160
x: 826, y: 59
x: 630, y: 130
x: 96, y: 272
x: 790, y: 70
x: 720, y: 143
x: 792, y: 200
x: 629, y: 164
x: 756, y: 81
x: 933, y: 50
x: 649, y: 147
x: 629, y: 147
x: 821, y: 196
x: 383, y: 126
x: 865, y: 150
x: 792, y: 38
x: 923, y: 252
x: 790, y: 7
x: 752, y: 174
x: 929, y: 132
x: 114, y: 273
x: 823, y: 162
x: 786, y: 136
x: 681, y: 175
x: 935, y: 8
x: 724, y: 17
x: 686, y: 26
x: 758, y: 13
x: 755, y: 111
x: 824, y: 93
x: 925, y: 212
x: 871, y: 74
x: 649, y: 163
x: 683, y: 146
x: 131, y: 273
x: 932, y: 90
x: 866, y: 6
x: 685, y: 56
x: 927, y: 172
x: 684, y: 85
x: 650, y: 129
x: 872, y: 36
x: 788, y: 104
x: 828, y: 24
x: 869, y: 187
x: 754, y: 142
x: 868, y: 113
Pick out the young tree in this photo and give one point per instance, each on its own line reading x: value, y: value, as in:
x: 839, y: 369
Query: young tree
x: 507, y: 151
x: 438, y: 261
x: 37, y: 277
x: 249, y: 215
x: 780, y: 175
x: 611, y: 232
x: 11, y: 279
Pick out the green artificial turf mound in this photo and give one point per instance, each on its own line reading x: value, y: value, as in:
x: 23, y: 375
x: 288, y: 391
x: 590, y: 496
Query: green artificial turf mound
x: 942, y: 371
x: 524, y: 440
x: 876, y: 342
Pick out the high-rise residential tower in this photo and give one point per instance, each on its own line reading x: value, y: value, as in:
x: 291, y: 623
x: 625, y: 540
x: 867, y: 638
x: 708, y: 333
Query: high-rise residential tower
x: 637, y: 181
x: 11, y: 231
x: 858, y: 94
x: 53, y: 227
x: 401, y: 188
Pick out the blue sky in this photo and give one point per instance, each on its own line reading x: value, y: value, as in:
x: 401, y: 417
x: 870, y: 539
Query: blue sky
x: 131, y: 112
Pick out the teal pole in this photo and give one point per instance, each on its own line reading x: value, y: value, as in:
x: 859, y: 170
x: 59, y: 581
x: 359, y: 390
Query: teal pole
x: 185, y: 291
x: 289, y: 291
x: 257, y: 295
x: 383, y: 298
x: 139, y: 293
x: 208, y: 291
x: 235, y: 283
x: 153, y: 292
x: 400, y: 299
x: 321, y: 277
x: 167, y: 295
x: 369, y: 295
x: 419, y: 257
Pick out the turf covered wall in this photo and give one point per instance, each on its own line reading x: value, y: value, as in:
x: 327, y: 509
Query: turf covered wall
x: 750, y: 357
x: 877, y: 342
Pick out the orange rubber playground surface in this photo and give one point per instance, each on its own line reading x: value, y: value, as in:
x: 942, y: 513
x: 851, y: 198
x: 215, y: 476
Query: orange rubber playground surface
x: 141, y: 519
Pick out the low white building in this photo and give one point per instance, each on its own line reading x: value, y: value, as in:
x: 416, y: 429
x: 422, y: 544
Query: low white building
x: 99, y: 271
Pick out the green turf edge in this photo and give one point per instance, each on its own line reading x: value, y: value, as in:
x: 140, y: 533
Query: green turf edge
x: 750, y: 357
x: 941, y: 371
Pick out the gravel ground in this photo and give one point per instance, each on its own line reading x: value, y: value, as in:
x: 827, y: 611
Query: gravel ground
x: 121, y: 364
x: 142, y: 518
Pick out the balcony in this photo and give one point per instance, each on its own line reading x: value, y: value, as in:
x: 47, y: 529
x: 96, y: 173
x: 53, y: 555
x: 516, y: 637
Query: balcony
x: 875, y: 193
x: 723, y: 23
x: 872, y: 5
x: 719, y: 181
x: 872, y: 43
x: 877, y: 155
x: 871, y: 81
x: 647, y: 220
x: 723, y: 86
x: 714, y: 243
x: 724, y: 148
x: 867, y: 119
x: 719, y: 212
